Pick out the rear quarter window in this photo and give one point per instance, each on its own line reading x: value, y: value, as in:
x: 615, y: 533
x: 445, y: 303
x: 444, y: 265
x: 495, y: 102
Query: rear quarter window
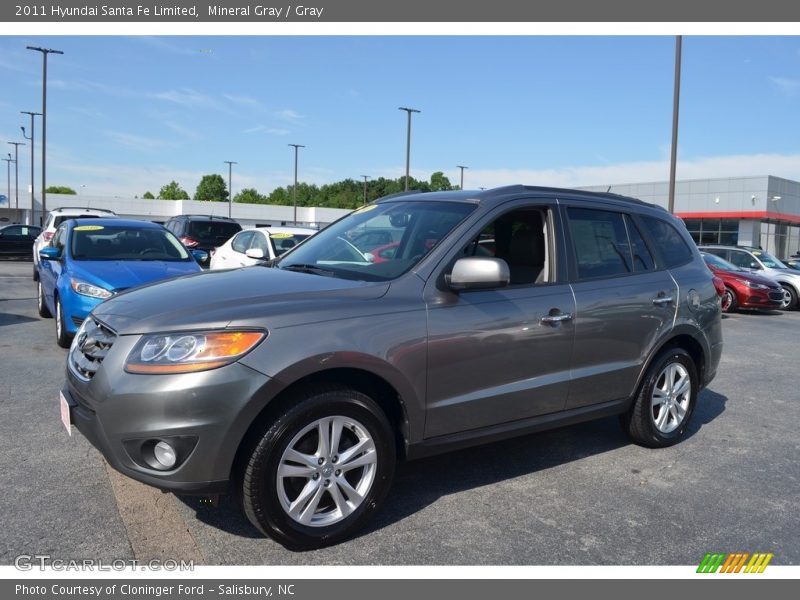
x: 674, y: 249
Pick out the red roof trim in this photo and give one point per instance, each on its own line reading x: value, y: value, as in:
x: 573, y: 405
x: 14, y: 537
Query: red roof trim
x: 742, y: 214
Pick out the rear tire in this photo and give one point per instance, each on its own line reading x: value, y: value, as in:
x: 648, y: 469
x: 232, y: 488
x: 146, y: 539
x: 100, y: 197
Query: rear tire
x: 320, y: 469
x: 665, y: 401
x: 41, y: 305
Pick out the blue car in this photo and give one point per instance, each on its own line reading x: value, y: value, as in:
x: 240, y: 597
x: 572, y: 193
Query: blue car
x: 89, y: 260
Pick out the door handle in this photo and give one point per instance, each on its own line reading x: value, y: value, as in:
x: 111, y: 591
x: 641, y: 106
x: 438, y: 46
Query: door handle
x: 559, y: 318
x: 662, y: 300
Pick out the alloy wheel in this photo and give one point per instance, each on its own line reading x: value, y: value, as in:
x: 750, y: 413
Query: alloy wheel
x: 671, y: 397
x: 326, y: 471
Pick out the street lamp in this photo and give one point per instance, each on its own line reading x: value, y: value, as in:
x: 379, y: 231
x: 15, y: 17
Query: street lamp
x: 294, y: 189
x: 462, y: 175
x: 9, y: 160
x: 675, y: 101
x: 365, y: 187
x: 33, y: 183
x: 230, y: 164
x: 408, y: 140
x: 45, y: 52
x: 16, y: 174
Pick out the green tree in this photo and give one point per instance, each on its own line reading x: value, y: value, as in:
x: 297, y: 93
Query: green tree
x: 148, y: 196
x: 439, y: 182
x: 173, y: 191
x: 211, y: 189
x: 250, y: 196
x: 60, y: 189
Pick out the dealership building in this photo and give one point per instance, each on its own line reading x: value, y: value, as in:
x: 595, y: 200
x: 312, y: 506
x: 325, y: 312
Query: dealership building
x: 740, y: 211
x: 746, y: 211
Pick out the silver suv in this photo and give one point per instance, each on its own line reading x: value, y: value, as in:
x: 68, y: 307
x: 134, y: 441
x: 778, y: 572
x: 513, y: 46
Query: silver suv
x: 763, y: 263
x: 297, y: 385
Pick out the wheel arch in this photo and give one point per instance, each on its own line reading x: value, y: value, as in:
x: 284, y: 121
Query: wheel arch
x: 367, y: 382
x: 687, y: 340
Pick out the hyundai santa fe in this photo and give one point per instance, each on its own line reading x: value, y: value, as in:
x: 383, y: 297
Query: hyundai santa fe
x: 298, y: 384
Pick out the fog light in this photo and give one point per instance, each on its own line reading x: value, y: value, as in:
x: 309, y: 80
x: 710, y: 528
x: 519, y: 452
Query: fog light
x: 165, y: 455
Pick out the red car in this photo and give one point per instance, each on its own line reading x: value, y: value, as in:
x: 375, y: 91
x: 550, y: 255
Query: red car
x: 742, y: 288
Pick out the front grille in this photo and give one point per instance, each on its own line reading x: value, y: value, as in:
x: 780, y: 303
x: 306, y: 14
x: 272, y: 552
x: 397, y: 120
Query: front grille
x: 777, y: 296
x: 91, y: 345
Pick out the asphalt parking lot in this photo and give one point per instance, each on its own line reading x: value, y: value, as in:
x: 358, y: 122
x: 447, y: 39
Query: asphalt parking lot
x: 576, y: 496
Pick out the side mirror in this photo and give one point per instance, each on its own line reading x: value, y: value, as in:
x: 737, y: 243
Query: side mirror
x: 256, y: 253
x: 478, y: 273
x: 49, y: 253
x: 201, y: 256
x: 754, y: 265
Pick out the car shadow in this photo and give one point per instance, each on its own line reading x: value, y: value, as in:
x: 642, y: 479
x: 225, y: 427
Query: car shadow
x: 12, y: 319
x: 421, y: 483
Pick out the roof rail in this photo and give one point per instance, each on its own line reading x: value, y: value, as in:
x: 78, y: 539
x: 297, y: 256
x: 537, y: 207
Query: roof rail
x: 82, y: 208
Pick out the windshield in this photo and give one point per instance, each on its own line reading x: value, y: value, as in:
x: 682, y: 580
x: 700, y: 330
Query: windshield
x: 720, y: 263
x: 101, y: 242
x: 768, y: 260
x: 283, y: 242
x: 356, y: 246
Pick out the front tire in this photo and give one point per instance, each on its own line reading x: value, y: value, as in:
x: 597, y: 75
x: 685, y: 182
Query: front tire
x: 665, y: 401
x: 789, y: 297
x: 320, y: 470
x: 63, y: 338
x: 728, y: 302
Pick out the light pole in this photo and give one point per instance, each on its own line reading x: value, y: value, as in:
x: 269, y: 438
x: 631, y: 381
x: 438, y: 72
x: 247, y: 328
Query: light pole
x: 294, y: 189
x: 16, y: 174
x: 365, y: 187
x: 462, y: 175
x: 675, y: 101
x: 9, y: 160
x: 33, y: 183
x: 230, y: 164
x: 45, y: 52
x: 408, y: 140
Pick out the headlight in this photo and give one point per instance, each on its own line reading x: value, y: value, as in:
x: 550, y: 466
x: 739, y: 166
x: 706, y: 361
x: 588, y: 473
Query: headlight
x: 753, y: 286
x: 190, y: 352
x: 87, y: 289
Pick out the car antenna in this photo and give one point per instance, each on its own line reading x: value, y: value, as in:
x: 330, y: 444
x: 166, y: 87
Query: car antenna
x: 608, y: 190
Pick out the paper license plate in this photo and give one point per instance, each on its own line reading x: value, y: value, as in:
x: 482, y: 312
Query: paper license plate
x: 65, y: 419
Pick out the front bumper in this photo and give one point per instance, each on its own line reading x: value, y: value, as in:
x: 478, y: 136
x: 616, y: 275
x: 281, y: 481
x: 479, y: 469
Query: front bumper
x: 120, y: 413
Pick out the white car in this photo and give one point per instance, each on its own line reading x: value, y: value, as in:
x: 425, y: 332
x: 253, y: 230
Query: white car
x: 250, y: 246
x: 57, y: 216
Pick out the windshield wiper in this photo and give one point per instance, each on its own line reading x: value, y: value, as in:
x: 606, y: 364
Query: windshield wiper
x: 313, y: 269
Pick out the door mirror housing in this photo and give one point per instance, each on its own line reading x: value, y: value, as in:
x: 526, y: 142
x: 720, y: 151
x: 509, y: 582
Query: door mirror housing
x: 256, y: 253
x: 201, y: 256
x: 478, y: 273
x: 49, y: 253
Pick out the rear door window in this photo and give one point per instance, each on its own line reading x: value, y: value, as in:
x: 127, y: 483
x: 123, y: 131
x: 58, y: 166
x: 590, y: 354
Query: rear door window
x: 673, y: 247
x: 600, y: 242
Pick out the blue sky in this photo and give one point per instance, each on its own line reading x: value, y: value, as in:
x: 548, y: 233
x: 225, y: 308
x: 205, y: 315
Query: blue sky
x: 128, y: 114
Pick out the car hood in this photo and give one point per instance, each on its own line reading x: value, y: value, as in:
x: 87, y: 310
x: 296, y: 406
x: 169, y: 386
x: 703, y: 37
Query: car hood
x: 249, y: 297
x: 119, y: 275
x: 768, y: 281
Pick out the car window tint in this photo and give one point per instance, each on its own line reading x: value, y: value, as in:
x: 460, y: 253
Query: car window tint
x: 642, y: 259
x: 600, y: 243
x: 741, y: 259
x: 671, y: 244
x: 242, y: 241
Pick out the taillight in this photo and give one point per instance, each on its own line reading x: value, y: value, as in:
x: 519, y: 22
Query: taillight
x: 189, y: 242
x: 48, y: 235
